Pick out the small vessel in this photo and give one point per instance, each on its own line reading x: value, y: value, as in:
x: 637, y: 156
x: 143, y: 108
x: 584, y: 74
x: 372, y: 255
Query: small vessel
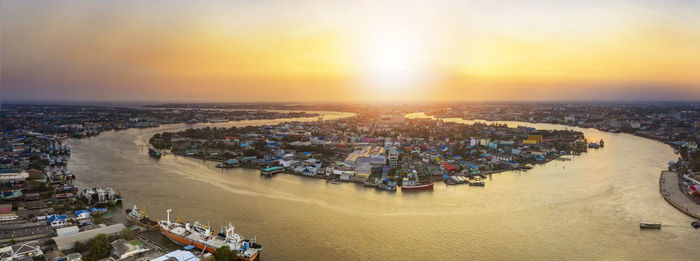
x: 695, y: 224
x: 202, y: 238
x: 412, y: 185
x: 154, y: 153
x: 477, y: 181
x: 601, y: 143
x: 271, y: 170
x: 649, y: 225
x: 593, y: 145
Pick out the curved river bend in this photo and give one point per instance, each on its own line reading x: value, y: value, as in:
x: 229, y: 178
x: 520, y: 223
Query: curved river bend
x: 587, y: 208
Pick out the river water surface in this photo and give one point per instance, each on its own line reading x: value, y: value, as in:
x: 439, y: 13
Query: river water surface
x: 586, y: 208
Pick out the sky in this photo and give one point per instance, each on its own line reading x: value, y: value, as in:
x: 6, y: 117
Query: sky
x: 337, y: 51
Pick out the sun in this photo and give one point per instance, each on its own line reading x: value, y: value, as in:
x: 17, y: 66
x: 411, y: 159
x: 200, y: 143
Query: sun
x: 392, y: 59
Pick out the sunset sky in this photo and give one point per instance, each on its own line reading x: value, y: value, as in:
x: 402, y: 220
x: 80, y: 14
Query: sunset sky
x: 324, y: 50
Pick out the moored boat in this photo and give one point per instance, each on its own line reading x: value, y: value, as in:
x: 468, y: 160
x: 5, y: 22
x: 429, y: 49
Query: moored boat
x: 414, y: 186
x: 154, y: 153
x: 202, y: 238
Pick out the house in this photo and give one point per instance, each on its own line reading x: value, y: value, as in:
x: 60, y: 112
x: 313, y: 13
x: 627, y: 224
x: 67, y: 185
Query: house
x: 82, y: 214
x: 56, y: 220
x: 122, y: 249
x: 21, y: 251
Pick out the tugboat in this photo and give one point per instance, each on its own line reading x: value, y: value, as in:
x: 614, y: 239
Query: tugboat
x: 154, y: 153
x: 649, y: 225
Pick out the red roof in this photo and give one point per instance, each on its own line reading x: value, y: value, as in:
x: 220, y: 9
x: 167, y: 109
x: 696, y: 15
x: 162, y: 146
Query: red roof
x: 449, y: 167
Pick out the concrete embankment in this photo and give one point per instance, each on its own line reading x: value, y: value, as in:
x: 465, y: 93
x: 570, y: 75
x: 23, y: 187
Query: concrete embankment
x: 671, y: 191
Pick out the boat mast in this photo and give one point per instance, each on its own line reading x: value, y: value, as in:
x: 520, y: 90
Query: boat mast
x: 168, y: 211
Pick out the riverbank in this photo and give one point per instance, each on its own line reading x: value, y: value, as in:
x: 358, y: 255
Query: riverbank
x: 536, y: 210
x: 670, y: 190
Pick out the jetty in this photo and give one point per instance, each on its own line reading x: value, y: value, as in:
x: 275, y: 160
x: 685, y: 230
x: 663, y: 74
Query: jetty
x: 671, y: 191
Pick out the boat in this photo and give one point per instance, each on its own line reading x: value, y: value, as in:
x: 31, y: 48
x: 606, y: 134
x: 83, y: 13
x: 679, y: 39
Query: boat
x: 601, y: 143
x: 695, y: 224
x: 477, y: 181
x: 154, y: 153
x: 271, y: 170
x: 202, y: 238
x: 412, y: 185
x: 593, y: 145
x: 649, y: 225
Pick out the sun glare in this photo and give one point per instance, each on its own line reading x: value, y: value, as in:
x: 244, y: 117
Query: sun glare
x: 392, y: 59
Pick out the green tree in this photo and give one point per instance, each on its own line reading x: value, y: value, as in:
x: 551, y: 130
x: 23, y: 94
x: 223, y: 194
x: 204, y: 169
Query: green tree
x: 99, y: 247
x: 225, y: 253
x: 128, y: 234
x: 79, y: 246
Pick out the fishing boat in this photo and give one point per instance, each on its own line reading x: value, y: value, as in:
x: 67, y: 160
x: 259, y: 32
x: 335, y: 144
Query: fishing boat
x: 201, y: 237
x: 412, y: 185
x: 154, y: 153
x: 649, y: 225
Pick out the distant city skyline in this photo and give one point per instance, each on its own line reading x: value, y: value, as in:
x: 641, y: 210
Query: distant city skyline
x: 358, y: 51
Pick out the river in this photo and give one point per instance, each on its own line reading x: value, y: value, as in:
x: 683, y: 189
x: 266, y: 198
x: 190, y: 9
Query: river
x: 586, y: 208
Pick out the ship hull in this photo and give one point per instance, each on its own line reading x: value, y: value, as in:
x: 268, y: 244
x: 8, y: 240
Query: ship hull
x: 418, y: 187
x: 184, y: 241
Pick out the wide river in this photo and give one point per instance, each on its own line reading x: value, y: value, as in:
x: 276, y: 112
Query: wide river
x: 586, y: 208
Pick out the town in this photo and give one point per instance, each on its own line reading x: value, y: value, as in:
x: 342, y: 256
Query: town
x: 380, y: 151
x: 44, y: 216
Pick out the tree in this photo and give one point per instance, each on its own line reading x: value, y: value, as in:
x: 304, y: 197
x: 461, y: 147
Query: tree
x: 225, y: 253
x: 128, y: 234
x: 79, y: 246
x: 99, y: 247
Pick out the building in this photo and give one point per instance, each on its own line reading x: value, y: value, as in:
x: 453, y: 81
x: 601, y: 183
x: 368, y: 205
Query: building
x: 5, y: 208
x: 536, y: 138
x: 177, y: 255
x: 68, y: 242
x: 122, y: 249
x: 67, y: 231
x: 22, y: 250
x: 8, y: 216
x: 393, y: 157
x: 82, y: 214
x: 56, y: 220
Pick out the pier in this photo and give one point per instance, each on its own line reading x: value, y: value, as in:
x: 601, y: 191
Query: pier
x: 670, y: 190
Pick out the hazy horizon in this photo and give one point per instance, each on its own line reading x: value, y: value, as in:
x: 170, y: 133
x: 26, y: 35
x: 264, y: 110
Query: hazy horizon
x: 336, y: 51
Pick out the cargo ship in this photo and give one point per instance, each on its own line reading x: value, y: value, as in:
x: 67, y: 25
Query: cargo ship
x: 154, y: 153
x: 202, y: 238
x: 411, y: 185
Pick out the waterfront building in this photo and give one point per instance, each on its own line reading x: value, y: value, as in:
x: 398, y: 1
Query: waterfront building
x: 177, y: 255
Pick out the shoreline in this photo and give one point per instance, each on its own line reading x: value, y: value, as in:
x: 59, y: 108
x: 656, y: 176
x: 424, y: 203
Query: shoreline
x: 668, y: 188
